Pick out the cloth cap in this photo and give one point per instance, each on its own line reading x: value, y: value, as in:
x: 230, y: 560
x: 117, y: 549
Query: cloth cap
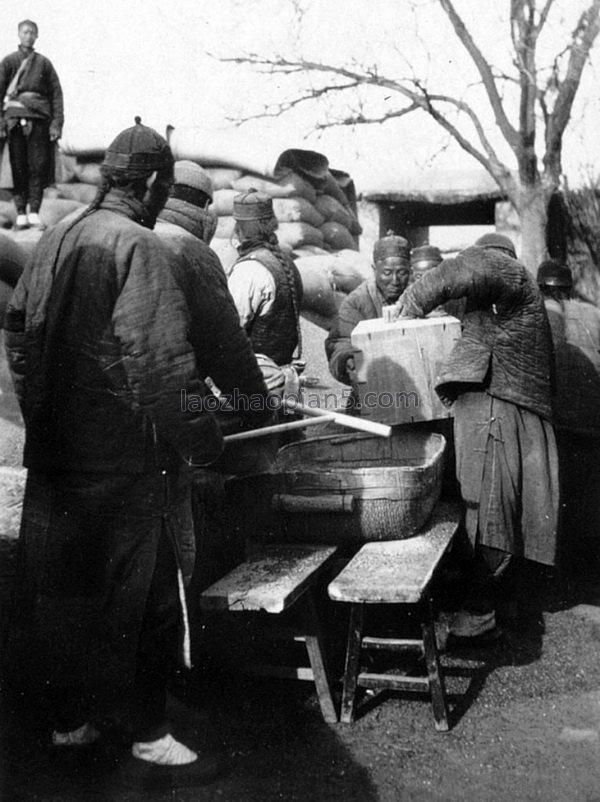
x: 499, y: 242
x: 190, y: 174
x: 553, y: 274
x: 137, y: 152
x: 391, y: 245
x: 252, y: 205
x: 424, y: 257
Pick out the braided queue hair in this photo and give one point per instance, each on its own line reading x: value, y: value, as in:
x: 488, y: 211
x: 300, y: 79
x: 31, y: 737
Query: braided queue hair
x: 262, y: 233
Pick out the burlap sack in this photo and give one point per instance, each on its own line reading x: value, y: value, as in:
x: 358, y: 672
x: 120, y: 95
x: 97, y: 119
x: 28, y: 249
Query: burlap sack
x: 54, y: 209
x: 222, y: 203
x: 225, y: 226
x: 87, y: 172
x: 294, y: 210
x: 77, y: 191
x: 337, y: 236
x: 290, y: 185
x: 294, y: 235
x: 333, y: 211
x: 318, y: 293
x: 223, y: 177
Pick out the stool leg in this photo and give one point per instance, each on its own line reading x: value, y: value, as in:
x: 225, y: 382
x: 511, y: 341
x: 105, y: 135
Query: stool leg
x: 352, y: 666
x: 434, y: 672
x: 316, y: 654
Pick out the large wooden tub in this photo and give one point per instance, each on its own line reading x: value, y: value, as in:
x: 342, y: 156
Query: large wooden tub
x: 347, y: 488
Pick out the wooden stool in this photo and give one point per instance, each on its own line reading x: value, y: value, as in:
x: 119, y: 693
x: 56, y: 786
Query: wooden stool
x: 396, y: 572
x: 272, y: 579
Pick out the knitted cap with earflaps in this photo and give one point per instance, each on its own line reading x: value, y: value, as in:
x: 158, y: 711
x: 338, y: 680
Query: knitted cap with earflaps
x: 136, y: 153
x: 252, y: 205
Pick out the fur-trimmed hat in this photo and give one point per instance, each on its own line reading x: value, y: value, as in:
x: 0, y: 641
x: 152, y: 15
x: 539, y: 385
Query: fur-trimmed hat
x: 136, y: 153
x: 499, y: 242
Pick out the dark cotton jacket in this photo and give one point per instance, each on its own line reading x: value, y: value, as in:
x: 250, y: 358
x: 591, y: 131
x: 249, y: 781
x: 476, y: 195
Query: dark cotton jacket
x: 506, y: 345
x: 42, y: 80
x: 223, y: 350
x: 99, y: 343
x: 364, y: 303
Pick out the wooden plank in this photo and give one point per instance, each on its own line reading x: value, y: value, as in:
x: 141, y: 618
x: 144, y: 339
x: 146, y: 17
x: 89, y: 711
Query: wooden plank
x: 394, y: 682
x: 397, y: 571
x: 393, y: 644
x: 271, y: 579
x: 434, y: 673
x: 315, y: 646
x: 352, y: 666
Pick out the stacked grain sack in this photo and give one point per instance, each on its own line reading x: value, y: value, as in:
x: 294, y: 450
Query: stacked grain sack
x: 315, y: 205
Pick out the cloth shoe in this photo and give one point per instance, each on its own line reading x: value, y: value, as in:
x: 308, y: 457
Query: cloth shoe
x: 469, y: 625
x: 165, y: 751
x: 21, y: 223
x: 83, y: 736
x: 167, y: 764
x: 468, y: 629
x: 34, y: 221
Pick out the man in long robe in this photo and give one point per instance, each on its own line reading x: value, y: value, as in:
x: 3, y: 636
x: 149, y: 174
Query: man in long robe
x: 499, y: 379
x: 110, y: 380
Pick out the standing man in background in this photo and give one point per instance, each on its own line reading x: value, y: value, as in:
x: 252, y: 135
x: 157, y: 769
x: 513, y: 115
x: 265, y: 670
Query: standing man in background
x: 31, y: 120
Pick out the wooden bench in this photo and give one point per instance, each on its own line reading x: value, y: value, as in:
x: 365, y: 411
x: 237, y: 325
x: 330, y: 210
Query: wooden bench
x: 396, y: 572
x: 273, y: 578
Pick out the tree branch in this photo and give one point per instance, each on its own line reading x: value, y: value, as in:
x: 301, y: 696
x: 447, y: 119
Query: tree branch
x: 419, y: 100
x: 543, y: 17
x: 360, y: 119
x: 523, y: 32
x: 276, y: 109
x: 508, y: 131
x: 583, y: 38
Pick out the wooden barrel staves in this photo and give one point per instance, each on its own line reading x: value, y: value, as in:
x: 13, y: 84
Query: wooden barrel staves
x: 339, y: 489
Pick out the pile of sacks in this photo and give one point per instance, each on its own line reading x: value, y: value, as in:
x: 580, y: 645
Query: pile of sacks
x: 314, y: 204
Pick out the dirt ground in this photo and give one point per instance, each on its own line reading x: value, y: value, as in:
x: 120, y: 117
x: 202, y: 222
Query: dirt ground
x: 525, y: 716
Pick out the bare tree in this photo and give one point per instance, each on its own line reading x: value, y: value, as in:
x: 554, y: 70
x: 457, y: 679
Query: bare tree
x: 545, y: 101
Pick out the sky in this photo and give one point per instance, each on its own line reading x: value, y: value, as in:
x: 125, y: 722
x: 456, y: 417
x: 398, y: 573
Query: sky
x: 121, y: 58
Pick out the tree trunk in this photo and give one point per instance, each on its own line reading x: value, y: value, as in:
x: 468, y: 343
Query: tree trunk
x: 532, y: 206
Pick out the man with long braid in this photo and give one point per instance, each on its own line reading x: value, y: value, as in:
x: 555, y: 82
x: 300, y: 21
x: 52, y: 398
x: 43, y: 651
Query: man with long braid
x: 266, y: 287
x: 100, y: 345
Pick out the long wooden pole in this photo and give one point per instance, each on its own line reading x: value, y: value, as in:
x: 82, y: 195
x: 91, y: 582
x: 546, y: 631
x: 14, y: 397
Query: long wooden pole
x: 251, y: 434
x: 316, y: 416
x: 350, y: 421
